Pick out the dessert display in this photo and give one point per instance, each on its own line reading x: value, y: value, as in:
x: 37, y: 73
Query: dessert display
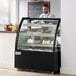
x: 30, y: 40
x: 38, y: 40
x: 38, y: 45
x: 46, y: 42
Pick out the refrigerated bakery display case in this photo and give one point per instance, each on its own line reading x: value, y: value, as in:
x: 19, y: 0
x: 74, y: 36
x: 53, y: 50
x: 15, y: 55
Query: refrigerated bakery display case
x: 38, y: 44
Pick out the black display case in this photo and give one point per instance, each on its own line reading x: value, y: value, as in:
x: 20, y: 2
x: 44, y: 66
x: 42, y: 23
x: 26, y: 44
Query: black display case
x: 38, y: 44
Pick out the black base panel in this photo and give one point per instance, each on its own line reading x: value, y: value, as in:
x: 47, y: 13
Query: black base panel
x: 46, y: 61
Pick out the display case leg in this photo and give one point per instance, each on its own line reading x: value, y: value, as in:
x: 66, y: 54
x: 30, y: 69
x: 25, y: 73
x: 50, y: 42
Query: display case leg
x: 57, y: 72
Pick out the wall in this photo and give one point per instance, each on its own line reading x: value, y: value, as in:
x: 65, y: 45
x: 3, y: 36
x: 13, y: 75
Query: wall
x: 68, y: 25
x: 13, y: 4
x: 23, y: 4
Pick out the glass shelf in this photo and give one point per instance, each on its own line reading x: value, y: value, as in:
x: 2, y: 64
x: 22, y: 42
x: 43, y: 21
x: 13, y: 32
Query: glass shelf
x: 37, y: 26
x: 39, y: 34
x: 39, y: 45
x: 41, y: 25
x: 46, y: 50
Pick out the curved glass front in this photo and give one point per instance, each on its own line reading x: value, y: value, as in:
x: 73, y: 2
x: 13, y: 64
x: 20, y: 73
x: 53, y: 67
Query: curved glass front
x: 38, y: 35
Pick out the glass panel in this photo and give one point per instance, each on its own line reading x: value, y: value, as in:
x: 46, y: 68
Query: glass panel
x: 58, y: 39
x: 37, y: 35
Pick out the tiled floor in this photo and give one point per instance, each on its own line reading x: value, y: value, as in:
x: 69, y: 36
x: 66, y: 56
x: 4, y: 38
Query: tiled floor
x: 6, y: 72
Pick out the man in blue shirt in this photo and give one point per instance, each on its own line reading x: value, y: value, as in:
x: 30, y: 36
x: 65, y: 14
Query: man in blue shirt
x: 46, y: 12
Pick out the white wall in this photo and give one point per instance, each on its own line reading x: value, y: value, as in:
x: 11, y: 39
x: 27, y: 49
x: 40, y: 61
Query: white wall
x: 56, y: 7
x: 68, y: 25
x: 23, y: 8
x: 13, y: 11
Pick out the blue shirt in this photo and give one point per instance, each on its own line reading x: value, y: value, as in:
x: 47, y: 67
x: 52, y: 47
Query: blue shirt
x: 47, y: 15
